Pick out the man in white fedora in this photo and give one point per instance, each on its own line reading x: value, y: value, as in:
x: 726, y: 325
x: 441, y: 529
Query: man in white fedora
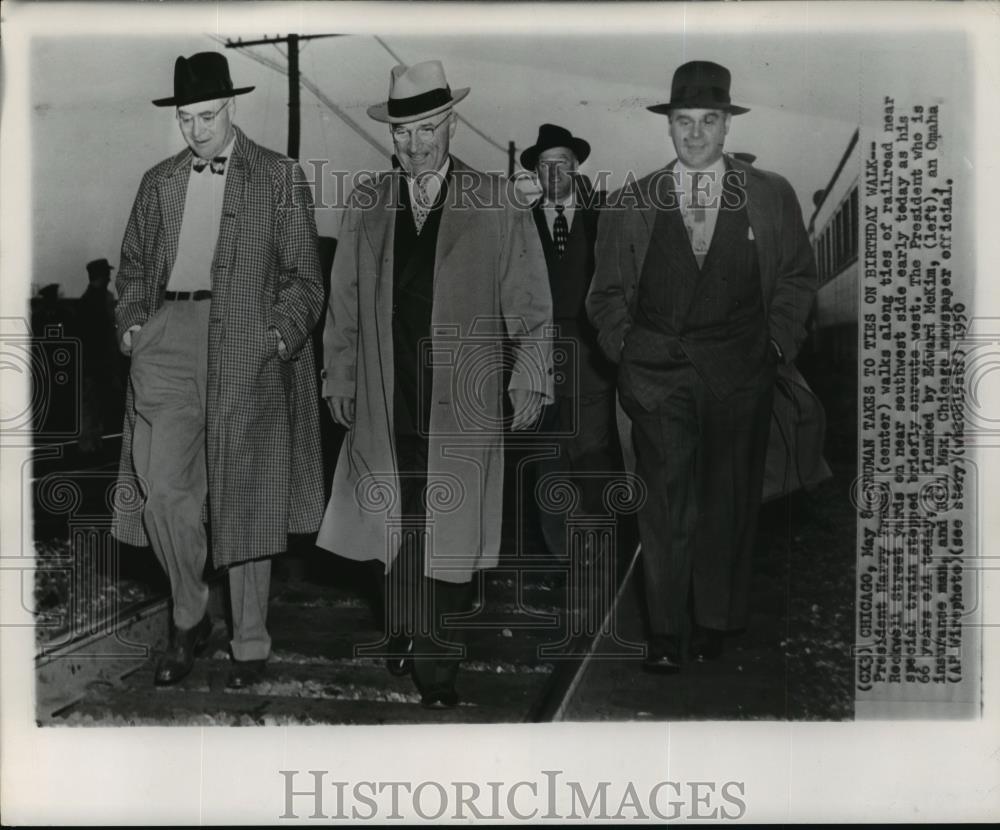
x: 434, y: 267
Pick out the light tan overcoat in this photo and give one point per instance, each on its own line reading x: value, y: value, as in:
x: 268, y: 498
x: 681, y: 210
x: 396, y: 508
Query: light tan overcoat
x: 489, y: 280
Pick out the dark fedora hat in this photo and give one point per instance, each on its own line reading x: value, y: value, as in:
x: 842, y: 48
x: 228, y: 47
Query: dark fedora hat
x: 99, y: 268
x: 202, y: 77
x: 549, y: 136
x: 699, y: 85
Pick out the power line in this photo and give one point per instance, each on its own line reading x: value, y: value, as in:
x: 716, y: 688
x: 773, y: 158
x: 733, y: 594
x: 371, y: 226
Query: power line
x: 318, y: 93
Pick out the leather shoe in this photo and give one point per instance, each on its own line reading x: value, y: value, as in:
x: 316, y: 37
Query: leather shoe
x: 707, y: 643
x: 245, y: 673
x: 186, y: 643
x: 439, y: 699
x: 662, y: 657
x: 399, y: 662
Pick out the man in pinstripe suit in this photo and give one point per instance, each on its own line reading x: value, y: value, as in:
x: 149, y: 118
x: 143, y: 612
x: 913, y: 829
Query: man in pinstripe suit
x: 219, y: 288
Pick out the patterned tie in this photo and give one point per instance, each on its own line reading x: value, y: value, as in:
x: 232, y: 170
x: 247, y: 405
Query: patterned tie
x: 697, y: 227
x: 421, y: 205
x: 560, y: 230
x: 218, y: 165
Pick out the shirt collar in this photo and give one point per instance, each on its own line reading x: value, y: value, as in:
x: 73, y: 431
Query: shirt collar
x: 716, y: 168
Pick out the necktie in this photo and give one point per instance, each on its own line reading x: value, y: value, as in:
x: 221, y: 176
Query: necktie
x: 421, y: 204
x: 697, y: 226
x: 218, y: 165
x: 560, y: 230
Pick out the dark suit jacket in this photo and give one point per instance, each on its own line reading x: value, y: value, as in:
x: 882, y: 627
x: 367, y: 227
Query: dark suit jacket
x: 595, y: 374
x: 787, y: 268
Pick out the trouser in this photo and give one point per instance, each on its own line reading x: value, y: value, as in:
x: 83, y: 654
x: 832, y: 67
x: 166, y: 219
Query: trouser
x: 583, y: 430
x: 169, y: 379
x: 417, y: 605
x: 702, y: 460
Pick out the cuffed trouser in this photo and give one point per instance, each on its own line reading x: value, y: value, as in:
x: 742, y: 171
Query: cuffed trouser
x: 417, y: 605
x: 702, y: 460
x: 169, y: 379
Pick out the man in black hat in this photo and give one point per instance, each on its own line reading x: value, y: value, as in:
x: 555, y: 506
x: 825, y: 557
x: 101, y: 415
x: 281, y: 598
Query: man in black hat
x: 219, y: 288
x: 582, y: 416
x: 434, y: 266
x: 703, y: 282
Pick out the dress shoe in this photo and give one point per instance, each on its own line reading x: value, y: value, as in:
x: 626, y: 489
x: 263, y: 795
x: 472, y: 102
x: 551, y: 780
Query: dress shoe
x: 186, y: 643
x: 707, y: 643
x: 439, y: 699
x: 662, y: 656
x: 399, y: 662
x: 245, y: 673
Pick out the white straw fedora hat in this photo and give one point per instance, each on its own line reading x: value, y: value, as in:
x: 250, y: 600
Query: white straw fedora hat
x: 416, y: 92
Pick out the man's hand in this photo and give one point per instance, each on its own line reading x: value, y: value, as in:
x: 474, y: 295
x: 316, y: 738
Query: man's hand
x: 126, y: 344
x: 282, y: 348
x: 527, y: 407
x: 342, y: 409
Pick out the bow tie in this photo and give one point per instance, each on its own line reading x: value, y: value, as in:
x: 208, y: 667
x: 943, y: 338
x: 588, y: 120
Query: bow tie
x: 218, y: 165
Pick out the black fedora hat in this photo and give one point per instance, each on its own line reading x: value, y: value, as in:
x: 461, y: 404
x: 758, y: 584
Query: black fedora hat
x: 549, y: 136
x: 202, y: 77
x: 699, y: 85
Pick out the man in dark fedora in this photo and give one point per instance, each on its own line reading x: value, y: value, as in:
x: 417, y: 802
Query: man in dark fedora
x: 703, y: 282
x: 434, y: 267
x: 219, y: 287
x: 581, y: 419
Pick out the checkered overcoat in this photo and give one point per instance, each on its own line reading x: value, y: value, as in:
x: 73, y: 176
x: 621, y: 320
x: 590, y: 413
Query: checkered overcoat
x: 262, y: 430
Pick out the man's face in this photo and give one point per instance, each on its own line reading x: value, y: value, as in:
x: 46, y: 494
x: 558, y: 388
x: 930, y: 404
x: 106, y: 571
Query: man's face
x: 422, y: 146
x: 699, y: 135
x: 207, y: 125
x: 556, y: 168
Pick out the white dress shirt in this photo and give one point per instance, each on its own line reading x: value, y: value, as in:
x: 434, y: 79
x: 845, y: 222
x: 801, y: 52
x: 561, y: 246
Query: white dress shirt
x: 708, y: 196
x: 549, y: 208
x: 192, y: 269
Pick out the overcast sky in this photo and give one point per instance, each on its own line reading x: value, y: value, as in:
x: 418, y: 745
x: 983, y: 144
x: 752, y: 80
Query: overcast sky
x: 94, y: 130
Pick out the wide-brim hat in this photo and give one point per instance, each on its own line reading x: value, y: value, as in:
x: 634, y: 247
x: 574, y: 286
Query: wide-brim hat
x: 99, y: 268
x: 552, y: 135
x: 416, y: 92
x: 202, y: 77
x: 699, y: 85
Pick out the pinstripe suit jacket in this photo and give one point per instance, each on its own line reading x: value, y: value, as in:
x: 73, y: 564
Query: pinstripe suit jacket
x: 263, y: 450
x: 787, y: 269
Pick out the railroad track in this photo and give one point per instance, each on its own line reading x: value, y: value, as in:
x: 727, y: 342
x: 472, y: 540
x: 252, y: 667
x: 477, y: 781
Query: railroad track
x: 526, y: 640
x: 526, y: 644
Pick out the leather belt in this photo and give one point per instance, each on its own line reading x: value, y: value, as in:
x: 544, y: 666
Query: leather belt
x: 187, y: 295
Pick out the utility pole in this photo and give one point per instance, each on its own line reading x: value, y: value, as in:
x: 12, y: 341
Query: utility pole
x: 294, y: 108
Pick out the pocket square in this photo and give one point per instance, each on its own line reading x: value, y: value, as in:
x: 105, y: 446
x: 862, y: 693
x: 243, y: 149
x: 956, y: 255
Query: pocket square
x: 750, y: 236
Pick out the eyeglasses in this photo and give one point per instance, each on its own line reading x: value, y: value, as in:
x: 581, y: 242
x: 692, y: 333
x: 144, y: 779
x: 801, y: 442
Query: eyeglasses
x: 555, y: 164
x: 206, y: 120
x: 425, y: 132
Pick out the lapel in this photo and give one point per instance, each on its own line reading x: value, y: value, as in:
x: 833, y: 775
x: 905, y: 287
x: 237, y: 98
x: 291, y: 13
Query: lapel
x: 548, y: 247
x: 238, y: 171
x: 727, y: 224
x: 652, y: 193
x: 172, y: 193
x: 378, y: 230
x: 461, y: 212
